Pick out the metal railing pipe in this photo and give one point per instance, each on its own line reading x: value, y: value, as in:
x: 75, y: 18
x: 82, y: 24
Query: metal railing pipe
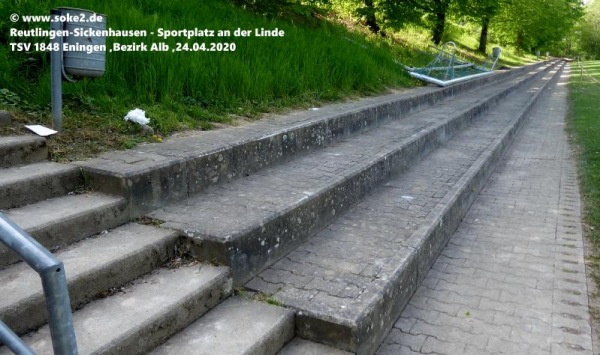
x: 12, y: 341
x: 54, y: 283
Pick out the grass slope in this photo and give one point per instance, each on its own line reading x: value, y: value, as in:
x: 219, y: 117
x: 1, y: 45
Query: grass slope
x: 584, y: 126
x: 316, y: 61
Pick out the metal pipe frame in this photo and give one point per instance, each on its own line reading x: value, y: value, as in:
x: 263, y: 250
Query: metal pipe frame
x: 12, y: 341
x: 54, y: 283
x: 444, y: 83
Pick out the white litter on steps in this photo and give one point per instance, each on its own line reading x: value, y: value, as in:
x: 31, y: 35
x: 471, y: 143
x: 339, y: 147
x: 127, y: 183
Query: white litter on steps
x: 137, y: 116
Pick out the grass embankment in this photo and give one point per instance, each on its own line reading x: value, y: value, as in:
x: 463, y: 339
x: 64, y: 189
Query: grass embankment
x: 584, y: 125
x: 316, y: 61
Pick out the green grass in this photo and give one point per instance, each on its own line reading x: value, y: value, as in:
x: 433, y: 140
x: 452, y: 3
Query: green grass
x: 584, y: 125
x: 317, y: 61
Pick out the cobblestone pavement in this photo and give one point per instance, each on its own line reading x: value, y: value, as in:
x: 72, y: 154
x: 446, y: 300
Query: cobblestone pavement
x: 512, y: 278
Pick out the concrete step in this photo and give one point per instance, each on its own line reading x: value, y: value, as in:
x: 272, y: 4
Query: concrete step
x: 143, y: 314
x: 153, y: 175
x: 62, y: 220
x: 5, y: 118
x: 250, y: 223
x: 350, y: 282
x: 94, y: 265
x: 18, y: 150
x: 299, y: 346
x: 26, y: 184
x: 236, y: 326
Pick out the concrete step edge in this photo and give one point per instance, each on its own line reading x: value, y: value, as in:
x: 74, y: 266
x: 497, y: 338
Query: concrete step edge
x: 63, y: 220
x: 236, y: 326
x: 151, y: 182
x: 19, y: 150
x: 299, y: 346
x: 93, y: 267
x: 26, y: 184
x: 144, y: 314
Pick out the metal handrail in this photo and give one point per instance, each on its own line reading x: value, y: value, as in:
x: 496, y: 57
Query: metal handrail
x: 54, y: 283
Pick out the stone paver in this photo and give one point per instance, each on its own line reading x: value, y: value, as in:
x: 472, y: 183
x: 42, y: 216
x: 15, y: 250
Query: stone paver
x: 512, y: 278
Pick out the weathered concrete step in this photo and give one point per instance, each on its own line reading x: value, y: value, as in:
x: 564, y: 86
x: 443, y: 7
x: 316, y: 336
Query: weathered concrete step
x: 25, y: 184
x: 5, y: 118
x: 18, y: 150
x: 63, y: 220
x: 94, y: 265
x: 236, y: 326
x: 153, y: 175
x: 250, y: 223
x: 144, y: 314
x: 350, y: 282
x: 300, y: 346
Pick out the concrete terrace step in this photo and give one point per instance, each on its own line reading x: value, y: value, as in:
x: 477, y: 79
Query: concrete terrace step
x: 67, y: 219
x: 300, y: 346
x: 155, y: 174
x: 236, y: 326
x: 5, y: 118
x: 147, y: 312
x: 35, y: 182
x: 350, y: 281
x: 18, y: 150
x: 94, y: 265
x: 252, y: 222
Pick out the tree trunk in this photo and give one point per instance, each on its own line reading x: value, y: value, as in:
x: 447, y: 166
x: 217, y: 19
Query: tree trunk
x: 439, y: 8
x: 485, y: 24
x: 439, y: 26
x: 371, y: 21
x: 520, y: 41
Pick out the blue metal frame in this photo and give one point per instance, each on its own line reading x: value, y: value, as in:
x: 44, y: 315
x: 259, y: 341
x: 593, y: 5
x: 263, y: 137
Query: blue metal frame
x: 54, y: 282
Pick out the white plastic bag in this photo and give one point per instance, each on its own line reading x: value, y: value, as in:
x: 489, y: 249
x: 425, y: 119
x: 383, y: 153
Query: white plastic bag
x: 137, y: 116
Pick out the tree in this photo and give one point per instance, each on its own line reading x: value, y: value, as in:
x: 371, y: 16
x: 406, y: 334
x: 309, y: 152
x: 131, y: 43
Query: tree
x: 438, y: 9
x: 396, y: 13
x: 368, y: 12
x: 482, y: 11
x: 589, y: 30
x: 536, y: 25
x: 435, y: 11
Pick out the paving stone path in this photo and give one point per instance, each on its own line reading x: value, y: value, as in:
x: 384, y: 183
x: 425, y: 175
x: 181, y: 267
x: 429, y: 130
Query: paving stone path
x: 512, y: 278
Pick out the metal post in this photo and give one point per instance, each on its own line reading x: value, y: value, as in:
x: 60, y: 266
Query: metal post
x: 56, y: 75
x: 60, y: 319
